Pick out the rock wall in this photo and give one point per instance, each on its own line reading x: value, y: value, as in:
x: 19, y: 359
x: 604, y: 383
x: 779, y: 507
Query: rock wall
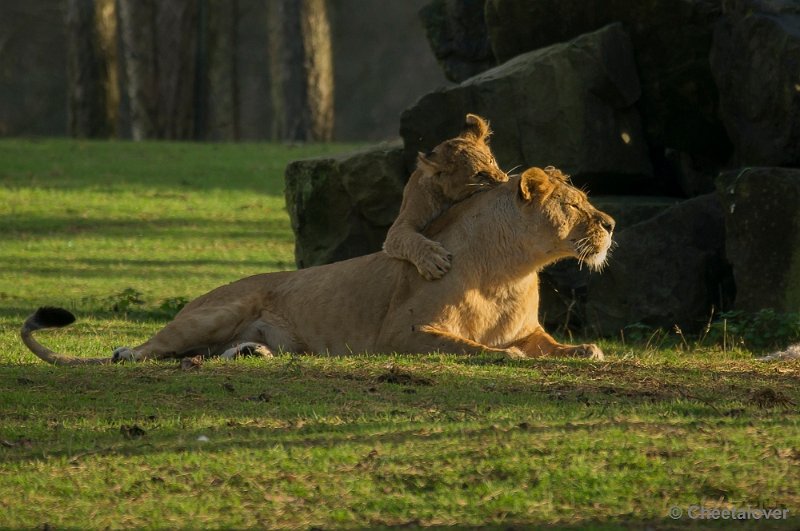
x: 668, y: 270
x: 570, y: 105
x: 762, y: 236
x: 642, y: 99
x: 457, y: 33
x: 671, y: 40
x: 342, y: 207
x: 755, y: 60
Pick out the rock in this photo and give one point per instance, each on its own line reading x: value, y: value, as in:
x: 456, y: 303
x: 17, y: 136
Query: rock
x: 762, y: 236
x: 671, y: 41
x: 693, y: 177
x: 669, y: 270
x: 341, y: 207
x: 570, y: 105
x: 755, y: 59
x: 563, y: 285
x: 381, y: 59
x: 456, y: 31
x: 629, y: 210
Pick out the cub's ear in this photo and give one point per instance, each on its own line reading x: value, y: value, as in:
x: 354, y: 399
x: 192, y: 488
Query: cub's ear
x: 535, y: 185
x: 426, y: 164
x: 476, y: 128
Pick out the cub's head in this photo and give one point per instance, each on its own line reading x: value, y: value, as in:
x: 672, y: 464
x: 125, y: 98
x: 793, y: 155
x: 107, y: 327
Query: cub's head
x: 562, y: 219
x: 461, y: 166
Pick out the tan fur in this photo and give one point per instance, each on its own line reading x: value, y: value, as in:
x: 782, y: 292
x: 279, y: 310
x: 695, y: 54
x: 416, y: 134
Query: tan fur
x: 452, y: 172
x: 487, y: 303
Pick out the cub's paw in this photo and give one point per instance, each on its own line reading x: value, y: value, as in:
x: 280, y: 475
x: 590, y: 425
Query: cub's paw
x: 124, y: 354
x: 434, y: 261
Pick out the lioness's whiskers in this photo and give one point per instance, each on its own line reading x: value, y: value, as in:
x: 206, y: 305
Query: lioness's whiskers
x: 583, y: 248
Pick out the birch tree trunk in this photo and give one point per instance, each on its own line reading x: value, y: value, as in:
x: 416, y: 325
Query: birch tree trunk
x: 159, y: 41
x: 301, y: 67
x: 223, y: 89
x: 137, y: 20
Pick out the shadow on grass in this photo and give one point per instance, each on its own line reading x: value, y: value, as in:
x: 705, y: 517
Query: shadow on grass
x: 65, y: 163
x: 288, y: 399
x: 144, y: 269
x: 16, y: 227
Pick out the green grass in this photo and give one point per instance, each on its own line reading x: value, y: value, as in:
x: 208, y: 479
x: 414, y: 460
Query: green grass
x: 301, y: 441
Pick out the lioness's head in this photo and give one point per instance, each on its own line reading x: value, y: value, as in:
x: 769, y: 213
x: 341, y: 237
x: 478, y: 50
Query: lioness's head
x: 563, y: 219
x: 463, y: 165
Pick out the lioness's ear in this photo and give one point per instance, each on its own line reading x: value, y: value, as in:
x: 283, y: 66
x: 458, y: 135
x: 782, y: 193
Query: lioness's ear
x: 425, y: 164
x: 476, y: 128
x: 536, y: 185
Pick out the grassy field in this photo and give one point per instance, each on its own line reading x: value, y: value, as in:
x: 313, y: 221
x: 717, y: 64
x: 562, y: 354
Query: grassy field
x: 121, y: 233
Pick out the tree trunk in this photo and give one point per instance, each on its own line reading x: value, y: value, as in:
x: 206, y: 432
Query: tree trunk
x: 223, y: 98
x: 106, y: 24
x: 159, y: 39
x: 319, y: 68
x: 137, y: 19
x: 176, y: 55
x: 86, y: 72
x: 301, y: 70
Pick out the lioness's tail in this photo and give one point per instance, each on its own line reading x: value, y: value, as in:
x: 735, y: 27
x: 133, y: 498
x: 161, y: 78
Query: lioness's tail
x: 48, y: 317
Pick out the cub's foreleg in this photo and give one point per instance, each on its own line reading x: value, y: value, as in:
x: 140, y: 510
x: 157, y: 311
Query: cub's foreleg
x: 404, y: 241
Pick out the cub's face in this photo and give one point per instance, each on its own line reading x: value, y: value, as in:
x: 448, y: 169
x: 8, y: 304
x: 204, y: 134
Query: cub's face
x: 461, y: 166
x: 564, y: 216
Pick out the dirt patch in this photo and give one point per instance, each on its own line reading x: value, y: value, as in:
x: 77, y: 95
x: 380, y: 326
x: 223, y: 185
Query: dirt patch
x: 132, y: 431
x: 397, y: 376
x: 768, y: 397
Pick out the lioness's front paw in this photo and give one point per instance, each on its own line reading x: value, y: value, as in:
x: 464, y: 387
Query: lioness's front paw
x: 591, y: 351
x: 123, y: 354
x: 434, y: 262
x: 247, y: 349
x: 514, y: 353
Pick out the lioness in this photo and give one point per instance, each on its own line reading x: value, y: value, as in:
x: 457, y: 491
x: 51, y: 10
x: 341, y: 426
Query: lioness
x: 451, y: 172
x: 488, y: 302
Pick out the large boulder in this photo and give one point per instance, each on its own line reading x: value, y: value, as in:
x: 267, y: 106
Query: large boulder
x: 756, y: 63
x: 762, y: 226
x: 563, y: 285
x: 669, y: 270
x: 571, y: 105
x: 671, y: 41
x: 341, y: 207
x: 457, y: 34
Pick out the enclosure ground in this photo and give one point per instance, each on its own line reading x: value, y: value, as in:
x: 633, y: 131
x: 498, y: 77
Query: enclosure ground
x: 122, y: 233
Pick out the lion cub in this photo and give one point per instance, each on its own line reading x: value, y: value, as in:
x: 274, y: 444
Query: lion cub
x: 453, y: 171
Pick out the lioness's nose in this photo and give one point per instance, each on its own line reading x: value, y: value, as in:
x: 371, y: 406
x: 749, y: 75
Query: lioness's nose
x: 607, y: 222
